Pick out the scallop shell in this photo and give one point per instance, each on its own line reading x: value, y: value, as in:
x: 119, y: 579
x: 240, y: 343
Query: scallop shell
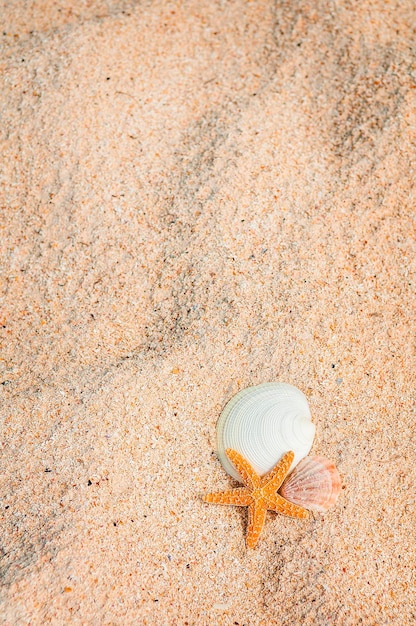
x: 314, y: 484
x: 263, y: 423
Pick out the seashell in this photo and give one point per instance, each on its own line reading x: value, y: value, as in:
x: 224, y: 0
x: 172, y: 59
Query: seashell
x: 262, y: 423
x: 314, y: 484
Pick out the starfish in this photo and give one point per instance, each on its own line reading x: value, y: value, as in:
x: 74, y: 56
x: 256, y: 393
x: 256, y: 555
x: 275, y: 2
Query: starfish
x: 259, y: 494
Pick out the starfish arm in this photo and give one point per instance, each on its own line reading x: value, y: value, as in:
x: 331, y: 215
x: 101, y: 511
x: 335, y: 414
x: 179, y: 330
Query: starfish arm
x: 250, y: 478
x: 238, y: 497
x: 280, y: 505
x: 256, y: 517
x: 273, y: 479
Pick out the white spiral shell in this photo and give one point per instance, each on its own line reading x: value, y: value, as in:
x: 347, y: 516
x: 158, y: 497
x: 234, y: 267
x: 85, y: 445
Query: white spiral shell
x: 263, y: 423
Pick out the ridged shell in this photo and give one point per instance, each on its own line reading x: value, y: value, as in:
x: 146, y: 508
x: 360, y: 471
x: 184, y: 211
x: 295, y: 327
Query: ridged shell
x: 263, y: 423
x: 314, y: 484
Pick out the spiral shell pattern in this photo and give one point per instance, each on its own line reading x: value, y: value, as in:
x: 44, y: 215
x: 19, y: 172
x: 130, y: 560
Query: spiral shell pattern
x: 314, y: 484
x: 262, y: 423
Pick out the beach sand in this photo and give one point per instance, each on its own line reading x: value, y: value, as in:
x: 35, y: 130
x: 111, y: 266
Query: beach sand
x: 197, y: 197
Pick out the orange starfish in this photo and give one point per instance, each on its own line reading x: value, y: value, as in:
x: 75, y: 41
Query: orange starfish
x: 259, y: 494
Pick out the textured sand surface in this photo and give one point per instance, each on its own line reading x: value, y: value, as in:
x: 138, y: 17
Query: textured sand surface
x: 195, y: 197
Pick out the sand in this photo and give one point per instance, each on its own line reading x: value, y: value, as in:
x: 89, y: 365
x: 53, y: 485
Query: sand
x: 197, y: 197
